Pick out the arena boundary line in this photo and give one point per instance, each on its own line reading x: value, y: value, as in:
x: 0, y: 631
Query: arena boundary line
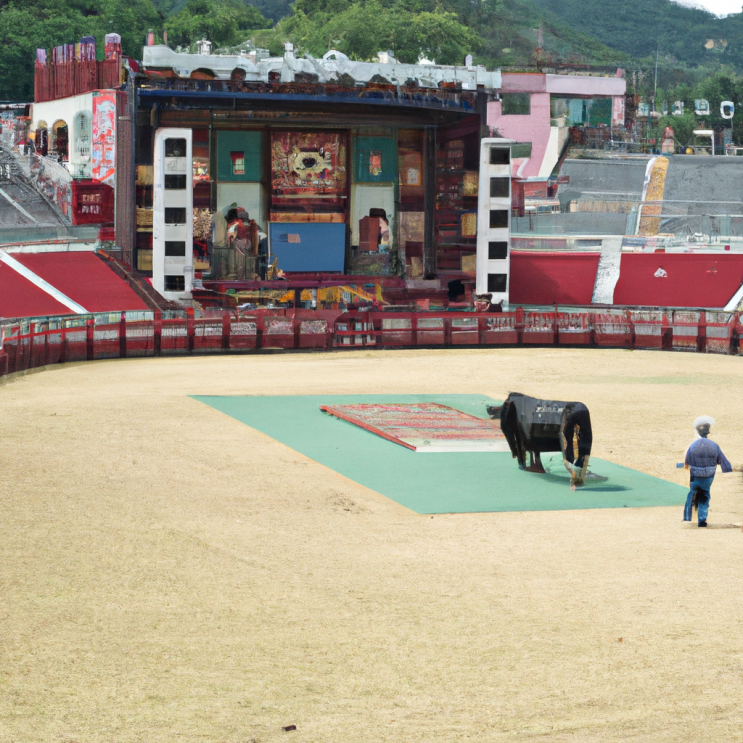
x: 33, y: 342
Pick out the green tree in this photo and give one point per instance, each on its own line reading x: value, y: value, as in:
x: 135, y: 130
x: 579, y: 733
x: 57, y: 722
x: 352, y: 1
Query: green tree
x: 26, y: 25
x: 223, y: 22
x: 362, y: 29
x: 683, y: 128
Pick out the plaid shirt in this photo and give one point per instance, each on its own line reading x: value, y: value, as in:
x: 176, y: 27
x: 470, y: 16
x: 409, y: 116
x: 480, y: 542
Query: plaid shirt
x: 703, y: 456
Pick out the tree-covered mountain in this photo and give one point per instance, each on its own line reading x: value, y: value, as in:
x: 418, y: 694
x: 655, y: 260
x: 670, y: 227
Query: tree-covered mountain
x: 641, y: 27
x: 691, y: 44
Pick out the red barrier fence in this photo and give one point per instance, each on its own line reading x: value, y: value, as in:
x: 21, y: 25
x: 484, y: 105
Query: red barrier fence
x: 61, y: 80
x: 31, y: 343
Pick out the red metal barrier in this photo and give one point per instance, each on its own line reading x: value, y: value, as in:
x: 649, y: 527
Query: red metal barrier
x: 278, y: 332
x: 241, y: 333
x: 574, y: 328
x: 538, y: 328
x: 312, y: 333
x: 685, y: 325
x: 30, y: 343
x: 106, y: 343
x: 613, y: 328
x: 208, y: 333
x: 500, y: 329
x: 649, y: 327
x: 719, y: 331
x: 465, y: 331
x: 173, y: 336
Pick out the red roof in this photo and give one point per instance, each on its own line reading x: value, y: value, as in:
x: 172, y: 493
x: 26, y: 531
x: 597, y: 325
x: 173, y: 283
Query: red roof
x: 20, y: 298
x: 85, y: 278
x: 692, y: 279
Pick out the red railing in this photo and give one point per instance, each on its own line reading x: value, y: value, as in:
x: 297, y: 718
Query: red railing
x: 31, y: 343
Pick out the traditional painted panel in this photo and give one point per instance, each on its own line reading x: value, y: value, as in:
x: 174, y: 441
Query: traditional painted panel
x: 103, y: 154
x: 308, y: 168
x: 375, y: 160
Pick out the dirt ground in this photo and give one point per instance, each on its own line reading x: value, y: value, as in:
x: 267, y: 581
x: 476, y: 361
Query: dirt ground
x: 169, y: 574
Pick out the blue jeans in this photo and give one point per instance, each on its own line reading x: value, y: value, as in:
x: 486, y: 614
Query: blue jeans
x: 701, y: 484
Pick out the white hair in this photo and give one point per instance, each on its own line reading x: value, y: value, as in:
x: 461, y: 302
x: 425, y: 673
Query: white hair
x: 702, y: 422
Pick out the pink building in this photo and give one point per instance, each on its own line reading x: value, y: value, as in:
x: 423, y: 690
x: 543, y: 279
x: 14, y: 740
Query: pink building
x: 538, y: 108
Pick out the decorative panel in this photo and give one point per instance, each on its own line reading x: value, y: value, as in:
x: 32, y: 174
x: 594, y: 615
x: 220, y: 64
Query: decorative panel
x: 239, y: 156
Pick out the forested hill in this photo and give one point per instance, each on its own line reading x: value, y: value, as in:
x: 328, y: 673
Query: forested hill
x: 640, y: 27
x: 507, y: 33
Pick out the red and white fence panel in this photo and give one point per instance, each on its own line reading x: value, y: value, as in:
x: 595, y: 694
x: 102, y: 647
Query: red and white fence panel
x: 719, y: 331
x: 574, y: 328
x: 242, y: 333
x: 612, y: 328
x: 686, y: 330
x: 501, y: 329
x: 29, y: 343
x: 538, y: 328
x: 649, y: 327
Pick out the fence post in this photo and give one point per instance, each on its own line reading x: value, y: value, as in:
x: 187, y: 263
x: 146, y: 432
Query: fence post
x: 157, y: 333
x: 555, y: 331
x: 226, y: 330
x: 296, y: 323
x: 702, y: 332
x: 63, y: 344
x: 90, y: 338
x: 122, y: 336
x: 447, y: 331
x: 31, y: 345
x: 519, y: 325
x: 632, y: 328
x: 190, y: 328
x: 414, y: 328
x: 259, y: 331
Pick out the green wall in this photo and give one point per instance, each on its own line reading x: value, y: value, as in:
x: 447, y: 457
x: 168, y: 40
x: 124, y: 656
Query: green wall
x: 251, y: 143
x: 362, y: 149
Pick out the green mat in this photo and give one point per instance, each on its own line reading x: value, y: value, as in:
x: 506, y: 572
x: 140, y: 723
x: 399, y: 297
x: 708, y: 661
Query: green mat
x: 430, y: 483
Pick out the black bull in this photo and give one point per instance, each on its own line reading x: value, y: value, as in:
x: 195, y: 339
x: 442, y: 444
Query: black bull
x: 534, y: 426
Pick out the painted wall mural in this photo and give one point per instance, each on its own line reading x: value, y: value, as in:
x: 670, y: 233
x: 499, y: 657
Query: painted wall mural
x: 308, y: 166
x: 104, y: 137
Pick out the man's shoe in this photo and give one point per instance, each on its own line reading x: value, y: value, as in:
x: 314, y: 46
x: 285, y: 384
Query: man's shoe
x: 702, y: 523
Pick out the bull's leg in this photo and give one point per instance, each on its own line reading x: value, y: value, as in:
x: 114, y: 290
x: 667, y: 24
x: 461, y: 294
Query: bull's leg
x: 536, y: 462
x: 578, y: 477
x: 564, y: 448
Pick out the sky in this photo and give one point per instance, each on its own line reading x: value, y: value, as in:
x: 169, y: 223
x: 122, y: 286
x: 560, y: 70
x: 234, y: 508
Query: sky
x: 718, y: 7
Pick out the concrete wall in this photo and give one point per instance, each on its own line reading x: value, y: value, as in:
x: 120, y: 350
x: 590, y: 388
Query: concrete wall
x: 65, y: 110
x: 523, y: 82
x: 587, y: 87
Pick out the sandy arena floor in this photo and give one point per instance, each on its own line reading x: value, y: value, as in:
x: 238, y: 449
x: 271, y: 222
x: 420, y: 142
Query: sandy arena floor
x: 169, y: 574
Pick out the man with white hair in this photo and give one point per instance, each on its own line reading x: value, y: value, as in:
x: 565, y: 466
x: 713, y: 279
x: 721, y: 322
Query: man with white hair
x: 702, y: 458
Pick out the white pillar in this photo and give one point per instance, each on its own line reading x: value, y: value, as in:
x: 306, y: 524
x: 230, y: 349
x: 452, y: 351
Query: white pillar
x: 494, y: 220
x: 172, y: 219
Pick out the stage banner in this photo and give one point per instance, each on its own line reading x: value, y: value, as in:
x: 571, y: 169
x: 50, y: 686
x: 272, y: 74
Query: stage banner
x: 103, y: 167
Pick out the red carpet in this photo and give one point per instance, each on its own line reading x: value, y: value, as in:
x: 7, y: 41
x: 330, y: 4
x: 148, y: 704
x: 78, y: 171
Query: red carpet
x: 552, y: 278
x: 84, y: 278
x: 693, y: 279
x: 20, y: 298
x: 424, y: 426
